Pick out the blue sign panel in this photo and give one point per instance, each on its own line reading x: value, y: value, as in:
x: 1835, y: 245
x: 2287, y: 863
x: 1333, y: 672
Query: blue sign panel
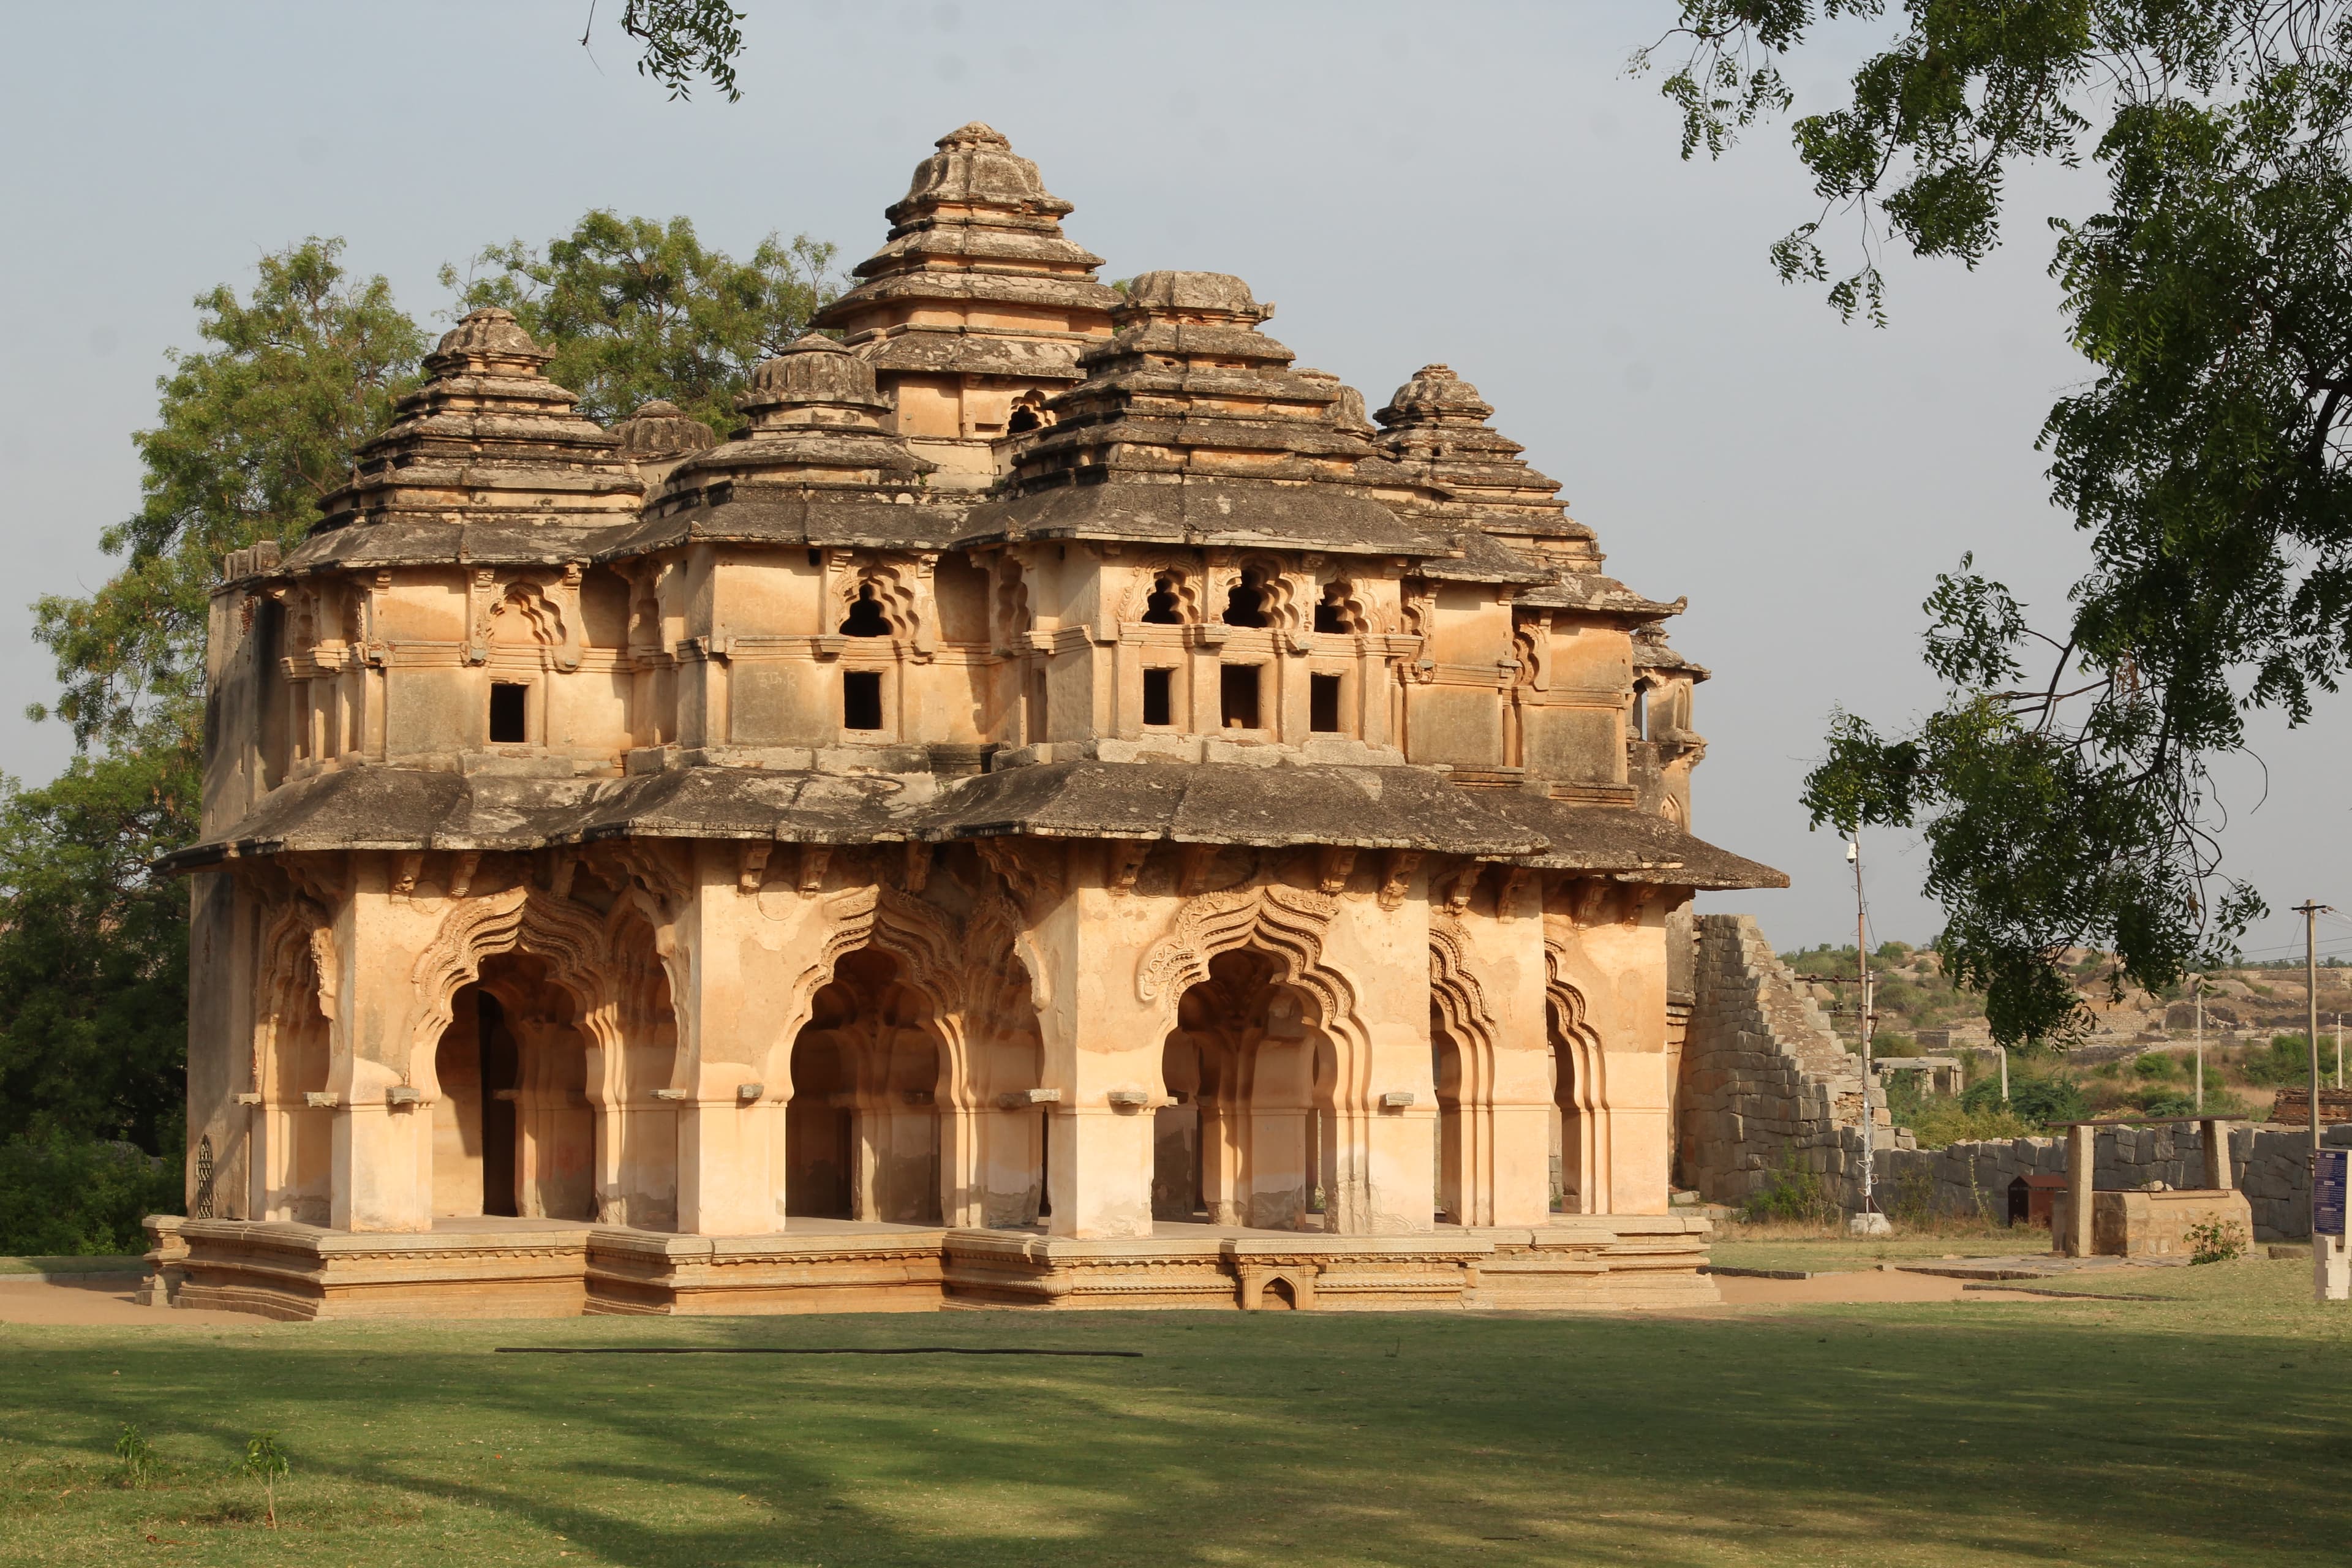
x: 2327, y: 1195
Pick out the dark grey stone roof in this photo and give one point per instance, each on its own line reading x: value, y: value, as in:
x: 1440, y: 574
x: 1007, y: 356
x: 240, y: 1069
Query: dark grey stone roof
x: 392, y: 808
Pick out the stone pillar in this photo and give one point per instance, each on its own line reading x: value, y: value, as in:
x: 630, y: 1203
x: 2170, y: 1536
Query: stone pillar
x: 2082, y: 1149
x: 383, y: 1151
x: 1103, y: 1046
x: 729, y: 1133
x: 2215, y: 1135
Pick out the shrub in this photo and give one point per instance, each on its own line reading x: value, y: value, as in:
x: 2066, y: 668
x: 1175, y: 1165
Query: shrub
x: 136, y: 1456
x: 2038, y: 1102
x: 264, y: 1461
x: 2216, y: 1241
x: 2156, y: 1065
x: 2286, y: 1060
x: 2165, y: 1100
x: 1892, y: 1043
x: 63, y: 1197
x: 1915, y: 1196
x: 1937, y: 1120
x: 1791, y: 1191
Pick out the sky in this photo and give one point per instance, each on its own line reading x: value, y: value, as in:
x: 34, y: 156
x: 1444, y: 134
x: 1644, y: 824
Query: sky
x: 1479, y: 185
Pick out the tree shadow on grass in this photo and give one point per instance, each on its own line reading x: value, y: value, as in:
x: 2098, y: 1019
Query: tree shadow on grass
x: 1950, y: 1434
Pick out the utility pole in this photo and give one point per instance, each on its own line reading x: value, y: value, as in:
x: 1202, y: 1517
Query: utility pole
x: 2197, y: 989
x: 2311, y: 911
x: 2340, y: 1050
x: 1869, y: 1222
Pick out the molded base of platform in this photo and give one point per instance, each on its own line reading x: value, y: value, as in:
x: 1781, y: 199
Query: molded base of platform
x: 554, y: 1268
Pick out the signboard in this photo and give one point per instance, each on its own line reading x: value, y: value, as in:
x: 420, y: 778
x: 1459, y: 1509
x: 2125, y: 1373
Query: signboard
x: 2328, y: 1192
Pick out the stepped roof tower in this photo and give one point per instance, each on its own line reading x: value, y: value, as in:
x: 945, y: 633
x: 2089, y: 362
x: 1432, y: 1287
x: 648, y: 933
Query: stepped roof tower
x: 966, y: 837
x: 975, y: 309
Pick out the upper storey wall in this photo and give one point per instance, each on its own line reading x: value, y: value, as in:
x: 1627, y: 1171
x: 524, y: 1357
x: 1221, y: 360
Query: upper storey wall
x: 1197, y: 550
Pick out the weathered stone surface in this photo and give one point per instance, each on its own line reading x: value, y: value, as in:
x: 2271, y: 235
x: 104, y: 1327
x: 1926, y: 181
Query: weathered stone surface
x: 1059, y: 765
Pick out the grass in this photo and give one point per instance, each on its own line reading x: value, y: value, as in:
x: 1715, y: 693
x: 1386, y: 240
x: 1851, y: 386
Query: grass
x: 1972, y: 1432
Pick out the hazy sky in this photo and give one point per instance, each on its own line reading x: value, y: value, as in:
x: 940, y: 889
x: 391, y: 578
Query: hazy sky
x: 1479, y: 185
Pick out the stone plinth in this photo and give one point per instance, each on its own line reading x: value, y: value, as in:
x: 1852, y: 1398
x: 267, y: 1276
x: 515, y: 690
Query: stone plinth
x: 508, y: 1267
x: 2154, y: 1225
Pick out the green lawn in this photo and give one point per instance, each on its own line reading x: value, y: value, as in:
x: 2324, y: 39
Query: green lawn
x: 2202, y: 1429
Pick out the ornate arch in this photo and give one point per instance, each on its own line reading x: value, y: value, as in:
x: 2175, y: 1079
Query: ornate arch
x: 899, y: 584
x: 298, y: 956
x: 927, y: 944
x: 1287, y: 924
x: 1185, y: 584
x: 1285, y: 591
x: 1460, y: 1000
x: 578, y: 946
x: 1579, y: 1045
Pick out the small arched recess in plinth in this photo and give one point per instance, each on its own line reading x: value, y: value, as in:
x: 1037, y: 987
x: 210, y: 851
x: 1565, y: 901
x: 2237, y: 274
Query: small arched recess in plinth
x: 902, y: 1036
x: 1264, y: 1044
x: 1579, y: 1093
x: 547, y: 1032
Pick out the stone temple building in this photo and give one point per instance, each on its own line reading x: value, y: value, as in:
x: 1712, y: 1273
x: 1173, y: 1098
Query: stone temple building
x: 1064, y: 808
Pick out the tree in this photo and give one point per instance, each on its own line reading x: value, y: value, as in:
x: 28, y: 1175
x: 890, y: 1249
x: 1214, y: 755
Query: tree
x: 93, y: 949
x: 2063, y: 785
x: 252, y: 434
x: 635, y: 309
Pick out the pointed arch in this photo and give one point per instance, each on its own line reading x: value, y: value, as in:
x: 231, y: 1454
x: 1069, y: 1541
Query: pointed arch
x: 1286, y: 923
x: 928, y: 946
x: 1578, y: 1046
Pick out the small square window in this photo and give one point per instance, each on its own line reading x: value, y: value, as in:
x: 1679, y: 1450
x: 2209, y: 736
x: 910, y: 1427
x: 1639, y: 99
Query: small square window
x: 1159, y: 707
x: 861, y: 700
x: 1237, y: 690
x: 509, y: 714
x: 1323, y: 704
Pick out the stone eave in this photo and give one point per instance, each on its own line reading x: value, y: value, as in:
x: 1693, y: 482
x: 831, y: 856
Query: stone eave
x: 1196, y: 512
x: 1591, y: 594
x: 793, y: 516
x: 1282, y: 805
x: 1628, y: 846
x: 362, y: 544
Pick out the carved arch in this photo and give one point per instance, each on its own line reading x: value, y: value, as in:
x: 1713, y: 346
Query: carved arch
x: 899, y: 586
x: 1580, y: 1046
x: 931, y: 953
x: 1183, y: 577
x: 298, y: 948
x: 1287, y: 924
x: 578, y: 946
x: 1285, y: 591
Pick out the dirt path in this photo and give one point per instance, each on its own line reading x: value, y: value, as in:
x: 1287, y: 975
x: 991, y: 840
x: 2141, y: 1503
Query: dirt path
x: 107, y: 1303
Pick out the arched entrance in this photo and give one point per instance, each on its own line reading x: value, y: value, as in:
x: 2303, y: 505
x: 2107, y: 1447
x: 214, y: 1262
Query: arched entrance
x: 1452, y: 1184
x: 293, y: 1166
x: 1574, y: 1112
x: 513, y: 1131
x: 862, y: 1131
x: 1260, y: 1136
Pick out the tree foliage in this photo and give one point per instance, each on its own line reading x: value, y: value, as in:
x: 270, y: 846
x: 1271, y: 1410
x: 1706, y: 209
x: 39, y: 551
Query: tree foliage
x: 252, y: 432
x: 635, y: 309
x: 93, y: 949
x: 2062, y: 787
x: 683, y: 40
